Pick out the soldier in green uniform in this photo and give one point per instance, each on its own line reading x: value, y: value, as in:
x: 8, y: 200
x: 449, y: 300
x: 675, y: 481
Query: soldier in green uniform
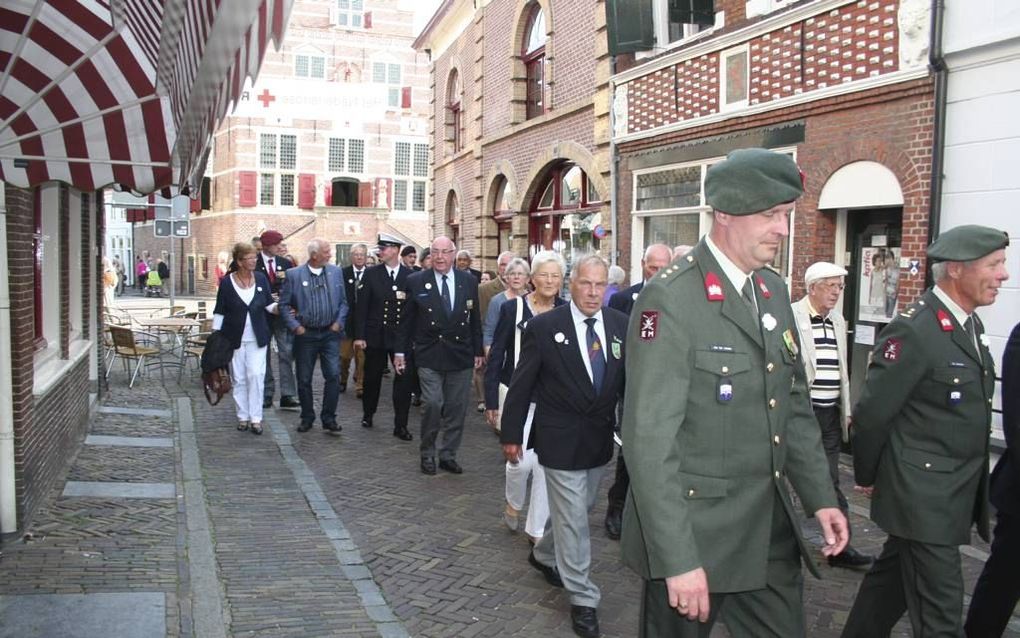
x: 921, y: 439
x: 717, y: 421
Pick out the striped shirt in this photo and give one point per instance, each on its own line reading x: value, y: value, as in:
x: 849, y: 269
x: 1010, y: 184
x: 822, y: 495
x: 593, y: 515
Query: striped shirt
x: 825, y: 389
x: 320, y: 312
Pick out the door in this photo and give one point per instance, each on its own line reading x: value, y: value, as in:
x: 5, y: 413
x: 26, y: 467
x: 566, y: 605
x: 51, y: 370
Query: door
x: 871, y: 297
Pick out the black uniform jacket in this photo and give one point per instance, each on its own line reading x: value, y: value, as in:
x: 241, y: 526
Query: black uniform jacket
x: 624, y: 300
x: 380, y: 306
x: 1006, y: 477
x: 572, y: 427
x: 441, y: 341
x: 282, y: 264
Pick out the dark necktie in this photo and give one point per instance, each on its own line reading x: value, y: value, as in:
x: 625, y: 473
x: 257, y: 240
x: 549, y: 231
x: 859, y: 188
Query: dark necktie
x: 357, y: 282
x: 596, y: 356
x: 271, y: 271
x: 447, y: 302
x: 747, y: 293
x: 968, y: 326
x: 393, y: 276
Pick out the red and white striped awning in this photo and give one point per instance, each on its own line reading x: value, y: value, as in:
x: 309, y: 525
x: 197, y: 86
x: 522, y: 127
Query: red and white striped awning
x: 101, y: 92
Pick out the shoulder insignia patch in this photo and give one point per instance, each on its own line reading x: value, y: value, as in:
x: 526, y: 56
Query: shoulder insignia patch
x: 944, y: 321
x: 891, y: 350
x: 713, y: 287
x: 649, y: 324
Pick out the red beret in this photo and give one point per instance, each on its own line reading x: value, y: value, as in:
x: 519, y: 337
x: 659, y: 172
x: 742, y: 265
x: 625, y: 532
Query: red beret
x: 271, y: 238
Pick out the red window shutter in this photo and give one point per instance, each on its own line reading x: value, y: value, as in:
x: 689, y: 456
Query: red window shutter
x: 306, y: 191
x: 367, y: 20
x: 365, y: 195
x: 327, y: 194
x: 195, y: 205
x: 247, y: 181
x: 405, y: 97
x: 129, y: 215
x: 150, y: 213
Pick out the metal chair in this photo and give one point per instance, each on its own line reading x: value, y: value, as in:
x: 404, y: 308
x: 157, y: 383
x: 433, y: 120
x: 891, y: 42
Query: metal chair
x: 125, y: 347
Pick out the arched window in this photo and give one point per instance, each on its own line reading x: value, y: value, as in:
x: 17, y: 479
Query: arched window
x: 502, y: 214
x: 453, y: 216
x: 533, y: 56
x: 454, y: 118
x: 565, y: 213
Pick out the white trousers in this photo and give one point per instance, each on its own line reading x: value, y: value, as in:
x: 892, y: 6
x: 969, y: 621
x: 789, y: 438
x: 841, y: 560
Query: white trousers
x: 517, y: 480
x: 248, y: 376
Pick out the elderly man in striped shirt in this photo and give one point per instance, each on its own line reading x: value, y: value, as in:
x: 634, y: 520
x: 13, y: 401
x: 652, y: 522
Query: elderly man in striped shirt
x: 823, y: 341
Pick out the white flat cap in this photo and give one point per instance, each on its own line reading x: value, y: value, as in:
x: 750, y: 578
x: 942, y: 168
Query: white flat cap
x: 822, y: 270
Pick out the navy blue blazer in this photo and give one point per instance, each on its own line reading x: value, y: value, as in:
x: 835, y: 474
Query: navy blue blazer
x: 295, y: 296
x: 235, y: 311
x: 1005, y: 490
x: 624, y: 300
x: 441, y: 341
x: 500, y: 368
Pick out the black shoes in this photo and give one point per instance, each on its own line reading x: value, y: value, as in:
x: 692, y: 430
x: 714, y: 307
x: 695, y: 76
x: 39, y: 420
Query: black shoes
x: 614, y: 523
x: 552, y: 575
x: 584, y: 621
x: 343, y: 388
x: 415, y: 400
x: 428, y: 466
x: 332, y: 427
x: 289, y: 402
x: 366, y: 421
x: 305, y: 426
x: 402, y: 434
x: 850, y: 558
x: 267, y: 403
x: 451, y: 466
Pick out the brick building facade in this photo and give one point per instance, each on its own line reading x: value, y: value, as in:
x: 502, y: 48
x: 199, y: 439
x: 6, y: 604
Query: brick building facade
x: 330, y: 141
x: 519, y: 125
x: 843, y: 86
x: 53, y: 243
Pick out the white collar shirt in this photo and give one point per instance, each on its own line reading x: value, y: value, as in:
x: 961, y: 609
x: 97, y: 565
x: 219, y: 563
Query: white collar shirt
x: 958, y: 313
x: 581, y: 334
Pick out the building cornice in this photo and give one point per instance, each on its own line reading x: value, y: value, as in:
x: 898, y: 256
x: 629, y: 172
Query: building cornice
x: 794, y: 100
x: 727, y: 40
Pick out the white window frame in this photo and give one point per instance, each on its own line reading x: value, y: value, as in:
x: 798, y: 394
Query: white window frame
x: 346, y: 170
x: 754, y: 8
x: 411, y: 179
x: 660, y: 22
x: 703, y: 210
x: 724, y: 57
x: 276, y: 171
x: 349, y: 14
x: 393, y: 86
x: 310, y: 55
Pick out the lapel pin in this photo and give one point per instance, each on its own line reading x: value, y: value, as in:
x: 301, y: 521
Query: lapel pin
x: 428, y: 286
x: 768, y: 322
x: 985, y: 341
x: 559, y: 338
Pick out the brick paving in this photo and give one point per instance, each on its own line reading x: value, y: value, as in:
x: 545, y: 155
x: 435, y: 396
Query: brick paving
x: 435, y: 546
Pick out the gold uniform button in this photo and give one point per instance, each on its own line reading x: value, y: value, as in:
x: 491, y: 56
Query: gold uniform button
x: 775, y: 439
x: 777, y: 473
x: 770, y: 367
x: 772, y: 403
x: 690, y: 492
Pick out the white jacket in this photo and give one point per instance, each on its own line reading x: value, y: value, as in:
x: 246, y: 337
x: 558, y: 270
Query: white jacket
x: 802, y: 314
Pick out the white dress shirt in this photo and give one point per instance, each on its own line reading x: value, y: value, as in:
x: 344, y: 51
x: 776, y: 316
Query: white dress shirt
x: 732, y: 271
x: 581, y: 333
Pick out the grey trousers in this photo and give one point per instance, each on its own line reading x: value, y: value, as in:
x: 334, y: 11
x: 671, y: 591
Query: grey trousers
x: 566, y: 542
x: 285, y: 361
x: 444, y: 396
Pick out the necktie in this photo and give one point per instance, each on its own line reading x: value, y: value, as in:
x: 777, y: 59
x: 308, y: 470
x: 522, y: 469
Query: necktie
x: 447, y: 302
x: 393, y: 276
x: 357, y: 282
x: 271, y: 271
x: 747, y: 293
x: 969, y: 327
x: 595, y: 355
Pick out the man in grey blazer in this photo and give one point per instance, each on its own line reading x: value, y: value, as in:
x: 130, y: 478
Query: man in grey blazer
x: 314, y: 306
x: 822, y: 332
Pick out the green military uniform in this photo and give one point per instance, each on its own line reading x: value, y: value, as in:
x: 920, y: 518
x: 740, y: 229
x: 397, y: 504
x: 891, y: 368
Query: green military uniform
x: 921, y: 439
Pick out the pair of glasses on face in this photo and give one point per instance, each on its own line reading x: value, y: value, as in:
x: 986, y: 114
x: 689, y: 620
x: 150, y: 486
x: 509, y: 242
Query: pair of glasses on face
x: 548, y: 276
x: 833, y: 287
x: 443, y: 252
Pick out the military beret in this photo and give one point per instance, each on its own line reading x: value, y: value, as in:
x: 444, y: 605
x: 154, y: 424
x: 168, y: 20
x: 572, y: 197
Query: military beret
x: 388, y: 240
x: 271, y: 238
x: 751, y: 180
x: 408, y: 250
x: 967, y: 242
x: 426, y: 252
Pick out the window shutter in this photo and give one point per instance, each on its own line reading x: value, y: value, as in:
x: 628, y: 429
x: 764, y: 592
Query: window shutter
x: 247, y: 181
x: 150, y: 213
x: 327, y: 194
x: 629, y: 26
x: 206, y: 196
x: 405, y: 97
x: 367, y: 20
x: 195, y: 205
x: 365, y: 195
x: 306, y: 191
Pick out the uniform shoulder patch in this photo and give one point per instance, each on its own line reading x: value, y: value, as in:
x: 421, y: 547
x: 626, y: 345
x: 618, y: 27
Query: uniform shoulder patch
x: 649, y: 326
x: 892, y: 349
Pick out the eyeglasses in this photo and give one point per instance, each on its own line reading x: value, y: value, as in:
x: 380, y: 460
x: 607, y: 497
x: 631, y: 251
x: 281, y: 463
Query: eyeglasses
x: 832, y: 286
x: 548, y: 276
x: 443, y: 252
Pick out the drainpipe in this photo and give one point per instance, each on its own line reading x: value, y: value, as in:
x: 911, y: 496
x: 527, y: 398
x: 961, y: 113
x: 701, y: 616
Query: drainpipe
x: 8, y: 503
x: 613, y: 168
x: 937, y: 61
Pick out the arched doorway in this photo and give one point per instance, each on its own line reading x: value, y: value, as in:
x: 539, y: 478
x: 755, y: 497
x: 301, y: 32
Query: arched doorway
x: 564, y: 213
x: 344, y: 192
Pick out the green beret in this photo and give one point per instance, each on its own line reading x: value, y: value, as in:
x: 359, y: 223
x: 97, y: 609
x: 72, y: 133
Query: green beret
x: 751, y: 180
x: 966, y: 243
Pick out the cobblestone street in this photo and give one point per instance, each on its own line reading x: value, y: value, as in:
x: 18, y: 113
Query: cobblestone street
x: 309, y: 534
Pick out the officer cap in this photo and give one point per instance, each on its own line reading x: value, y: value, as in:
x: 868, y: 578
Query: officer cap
x: 388, y: 240
x: 408, y: 250
x: 965, y: 243
x: 751, y: 180
x: 271, y: 238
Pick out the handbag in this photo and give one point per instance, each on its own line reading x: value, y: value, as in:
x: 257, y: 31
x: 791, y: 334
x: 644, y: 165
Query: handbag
x: 216, y: 357
x: 216, y: 382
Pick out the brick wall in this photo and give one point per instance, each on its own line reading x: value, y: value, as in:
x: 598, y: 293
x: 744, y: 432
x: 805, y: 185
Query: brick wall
x: 47, y: 429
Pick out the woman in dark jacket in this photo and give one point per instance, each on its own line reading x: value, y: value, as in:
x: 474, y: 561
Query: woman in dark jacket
x: 547, y: 278
x: 242, y: 301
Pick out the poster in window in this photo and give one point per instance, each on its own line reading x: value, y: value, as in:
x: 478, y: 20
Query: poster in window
x: 879, y: 284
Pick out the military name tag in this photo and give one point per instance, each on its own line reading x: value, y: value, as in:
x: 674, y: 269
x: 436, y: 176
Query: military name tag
x: 725, y: 393
x: 718, y: 348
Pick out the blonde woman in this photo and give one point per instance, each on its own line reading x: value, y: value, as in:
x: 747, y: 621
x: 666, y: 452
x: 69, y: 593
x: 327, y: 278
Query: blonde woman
x: 547, y: 277
x: 240, y: 314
